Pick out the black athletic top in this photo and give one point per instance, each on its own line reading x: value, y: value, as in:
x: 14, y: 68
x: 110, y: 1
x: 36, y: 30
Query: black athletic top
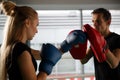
x: 103, y: 70
x: 12, y: 65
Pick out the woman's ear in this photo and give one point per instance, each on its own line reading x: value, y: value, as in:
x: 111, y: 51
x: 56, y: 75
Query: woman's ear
x: 27, y: 23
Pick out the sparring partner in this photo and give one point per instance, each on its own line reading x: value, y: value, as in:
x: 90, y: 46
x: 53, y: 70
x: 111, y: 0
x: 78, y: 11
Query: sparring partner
x: 17, y: 60
x: 104, y: 46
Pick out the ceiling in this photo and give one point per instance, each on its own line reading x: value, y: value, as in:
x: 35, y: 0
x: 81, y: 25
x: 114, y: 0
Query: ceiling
x: 69, y: 4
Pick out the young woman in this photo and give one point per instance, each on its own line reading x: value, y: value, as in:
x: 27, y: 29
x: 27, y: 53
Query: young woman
x: 17, y: 60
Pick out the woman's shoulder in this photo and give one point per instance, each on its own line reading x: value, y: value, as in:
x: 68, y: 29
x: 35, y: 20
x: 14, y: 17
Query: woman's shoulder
x: 20, y: 47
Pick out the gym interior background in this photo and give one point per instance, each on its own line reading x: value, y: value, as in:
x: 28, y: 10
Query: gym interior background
x: 56, y: 19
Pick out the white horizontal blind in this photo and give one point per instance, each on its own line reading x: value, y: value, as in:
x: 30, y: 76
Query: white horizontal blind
x: 2, y: 20
x: 115, y: 23
x: 2, y: 23
x: 59, y: 19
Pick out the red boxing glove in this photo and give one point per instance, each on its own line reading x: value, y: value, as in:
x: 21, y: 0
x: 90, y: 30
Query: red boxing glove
x: 97, y: 41
x: 79, y: 51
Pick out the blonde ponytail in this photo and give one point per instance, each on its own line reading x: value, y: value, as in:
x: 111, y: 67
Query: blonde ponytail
x: 7, y: 7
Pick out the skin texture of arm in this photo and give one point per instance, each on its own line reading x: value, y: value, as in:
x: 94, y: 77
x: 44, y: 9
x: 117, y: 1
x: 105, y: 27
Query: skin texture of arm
x: 88, y: 56
x: 36, y: 54
x: 113, y: 58
x: 27, y: 68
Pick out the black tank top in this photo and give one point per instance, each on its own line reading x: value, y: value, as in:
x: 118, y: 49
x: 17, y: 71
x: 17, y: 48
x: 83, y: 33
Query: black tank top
x: 103, y: 70
x: 13, y: 70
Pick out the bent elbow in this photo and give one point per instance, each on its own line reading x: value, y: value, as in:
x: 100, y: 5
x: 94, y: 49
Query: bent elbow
x: 114, y: 66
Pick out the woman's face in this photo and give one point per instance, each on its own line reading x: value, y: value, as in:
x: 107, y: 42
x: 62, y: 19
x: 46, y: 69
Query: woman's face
x: 32, y: 28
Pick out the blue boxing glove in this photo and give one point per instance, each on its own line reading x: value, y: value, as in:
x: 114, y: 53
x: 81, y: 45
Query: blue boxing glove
x: 73, y: 38
x: 50, y: 56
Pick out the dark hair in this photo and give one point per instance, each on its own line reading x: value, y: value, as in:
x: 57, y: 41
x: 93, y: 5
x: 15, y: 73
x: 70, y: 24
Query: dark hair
x: 105, y: 12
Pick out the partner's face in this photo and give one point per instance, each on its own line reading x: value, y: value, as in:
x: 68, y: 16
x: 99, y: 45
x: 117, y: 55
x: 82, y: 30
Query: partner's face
x: 99, y: 23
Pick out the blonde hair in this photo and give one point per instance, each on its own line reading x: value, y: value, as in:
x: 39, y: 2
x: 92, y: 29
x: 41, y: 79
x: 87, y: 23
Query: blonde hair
x: 13, y: 30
